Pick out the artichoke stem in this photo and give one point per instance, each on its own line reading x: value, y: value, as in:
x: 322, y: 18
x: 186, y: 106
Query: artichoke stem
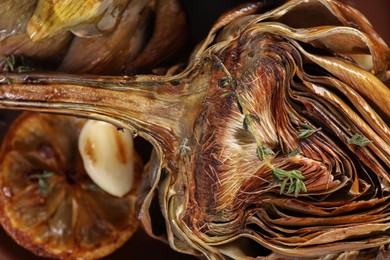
x: 146, y: 105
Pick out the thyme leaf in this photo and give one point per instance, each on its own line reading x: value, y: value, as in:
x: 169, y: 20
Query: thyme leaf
x: 246, y: 122
x: 224, y: 82
x: 227, y: 94
x: 294, y: 152
x: 359, y: 140
x: 263, y: 151
x: 240, y: 103
x: 293, y: 177
x: 248, y: 119
x: 283, y: 185
x: 43, y: 184
x: 306, y: 130
x: 255, y: 117
x: 10, y: 64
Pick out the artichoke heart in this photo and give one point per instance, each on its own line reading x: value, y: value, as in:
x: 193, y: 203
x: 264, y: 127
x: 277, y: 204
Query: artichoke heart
x: 107, y: 155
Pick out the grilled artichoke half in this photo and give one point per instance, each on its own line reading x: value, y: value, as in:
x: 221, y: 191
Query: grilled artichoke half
x: 273, y: 143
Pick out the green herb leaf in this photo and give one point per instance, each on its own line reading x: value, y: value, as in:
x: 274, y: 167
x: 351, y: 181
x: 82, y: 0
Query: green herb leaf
x: 246, y: 122
x: 260, y: 153
x: 9, y: 63
x: 297, y: 174
x: 305, y: 133
x: 223, y: 82
x: 297, y: 188
x: 227, y: 94
x: 294, y: 178
x: 239, y: 104
x: 291, y: 188
x: 43, y: 184
x: 255, y: 117
x: 268, y: 151
x: 276, y: 177
x: 306, y: 130
x: 305, y: 126
x: 294, y: 152
x: 47, y: 175
x: 23, y: 69
x: 303, y: 186
x: 44, y: 187
x: 283, y: 186
x: 359, y: 140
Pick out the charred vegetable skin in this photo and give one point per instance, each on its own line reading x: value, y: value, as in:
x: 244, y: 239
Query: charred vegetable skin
x: 205, y: 181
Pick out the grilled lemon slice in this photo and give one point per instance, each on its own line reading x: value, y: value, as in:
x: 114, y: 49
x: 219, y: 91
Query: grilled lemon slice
x: 48, y: 203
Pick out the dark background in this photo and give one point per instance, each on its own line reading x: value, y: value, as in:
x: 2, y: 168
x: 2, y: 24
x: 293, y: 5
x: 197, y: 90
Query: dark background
x: 201, y: 13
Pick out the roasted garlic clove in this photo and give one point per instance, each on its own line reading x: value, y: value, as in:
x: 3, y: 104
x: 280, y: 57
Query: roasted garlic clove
x: 108, y: 157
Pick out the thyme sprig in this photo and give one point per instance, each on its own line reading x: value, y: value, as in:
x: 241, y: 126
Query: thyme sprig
x: 359, y: 140
x: 294, y: 177
x: 43, y: 184
x: 306, y: 130
x: 263, y: 151
x: 10, y: 64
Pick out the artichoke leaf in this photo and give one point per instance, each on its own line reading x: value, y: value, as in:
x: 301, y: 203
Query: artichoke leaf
x: 170, y: 25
